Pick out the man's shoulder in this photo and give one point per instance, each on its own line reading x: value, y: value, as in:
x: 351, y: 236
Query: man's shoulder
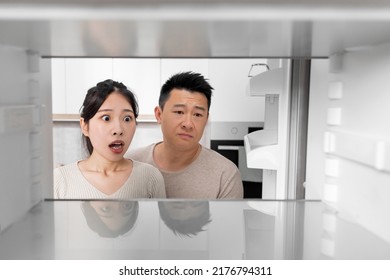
x: 139, y: 165
x: 213, y: 157
x: 139, y: 150
x: 142, y: 154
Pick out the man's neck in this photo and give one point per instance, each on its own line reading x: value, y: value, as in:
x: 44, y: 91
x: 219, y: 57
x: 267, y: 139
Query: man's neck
x: 170, y: 159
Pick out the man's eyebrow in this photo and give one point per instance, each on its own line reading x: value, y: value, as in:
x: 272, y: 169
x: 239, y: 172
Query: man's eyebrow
x: 200, y: 108
x: 183, y: 105
x: 179, y: 105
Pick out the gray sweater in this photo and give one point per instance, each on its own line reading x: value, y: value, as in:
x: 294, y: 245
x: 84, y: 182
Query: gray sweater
x: 209, y: 176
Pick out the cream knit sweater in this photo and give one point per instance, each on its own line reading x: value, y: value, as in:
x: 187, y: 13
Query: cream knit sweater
x: 145, y: 181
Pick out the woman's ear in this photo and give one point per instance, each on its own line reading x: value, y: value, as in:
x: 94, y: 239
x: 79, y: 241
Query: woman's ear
x: 84, y: 127
x: 157, y: 114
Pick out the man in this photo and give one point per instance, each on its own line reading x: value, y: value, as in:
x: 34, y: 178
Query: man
x: 190, y: 170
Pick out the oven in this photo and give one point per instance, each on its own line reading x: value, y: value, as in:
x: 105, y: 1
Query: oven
x: 227, y: 138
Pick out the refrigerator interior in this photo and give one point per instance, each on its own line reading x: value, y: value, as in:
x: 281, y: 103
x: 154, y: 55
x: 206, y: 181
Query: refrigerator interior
x: 348, y: 151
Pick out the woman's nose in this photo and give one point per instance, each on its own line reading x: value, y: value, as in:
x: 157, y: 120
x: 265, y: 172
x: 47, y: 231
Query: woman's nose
x: 117, y: 129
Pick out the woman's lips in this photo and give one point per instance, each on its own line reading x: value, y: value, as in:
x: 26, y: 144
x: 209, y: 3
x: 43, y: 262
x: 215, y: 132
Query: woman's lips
x: 117, y: 146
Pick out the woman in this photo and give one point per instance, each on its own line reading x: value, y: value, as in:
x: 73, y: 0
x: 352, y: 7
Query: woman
x: 108, y: 123
x: 110, y: 218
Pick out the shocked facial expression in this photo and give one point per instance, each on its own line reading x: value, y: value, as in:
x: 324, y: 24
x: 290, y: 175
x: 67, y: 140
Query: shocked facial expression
x: 112, y: 128
x: 183, y: 118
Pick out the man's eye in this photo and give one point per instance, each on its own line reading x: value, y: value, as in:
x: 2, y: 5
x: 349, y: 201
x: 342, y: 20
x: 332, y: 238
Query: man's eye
x: 179, y: 112
x: 127, y: 118
x: 106, y: 118
x: 198, y: 115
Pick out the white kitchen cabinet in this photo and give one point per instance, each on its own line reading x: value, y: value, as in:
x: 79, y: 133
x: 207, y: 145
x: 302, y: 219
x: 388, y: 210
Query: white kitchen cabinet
x: 142, y: 77
x: 171, y: 66
x: 72, y: 77
x: 58, y: 85
x: 231, y: 101
x: 81, y: 75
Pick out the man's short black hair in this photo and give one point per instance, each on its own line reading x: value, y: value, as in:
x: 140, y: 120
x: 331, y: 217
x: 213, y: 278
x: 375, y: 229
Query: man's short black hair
x: 190, y: 81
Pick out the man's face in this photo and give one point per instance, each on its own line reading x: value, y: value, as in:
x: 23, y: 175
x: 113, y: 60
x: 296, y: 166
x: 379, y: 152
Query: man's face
x: 183, y: 119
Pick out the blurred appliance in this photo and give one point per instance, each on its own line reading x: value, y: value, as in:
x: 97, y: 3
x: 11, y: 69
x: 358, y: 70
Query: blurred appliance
x: 227, y: 138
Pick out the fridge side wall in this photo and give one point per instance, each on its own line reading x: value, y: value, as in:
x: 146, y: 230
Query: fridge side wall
x: 25, y: 133
x: 355, y: 141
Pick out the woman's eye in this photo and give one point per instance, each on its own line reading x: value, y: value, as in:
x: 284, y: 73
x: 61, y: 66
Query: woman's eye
x: 106, y: 118
x: 127, y: 207
x: 105, y: 211
x: 127, y: 118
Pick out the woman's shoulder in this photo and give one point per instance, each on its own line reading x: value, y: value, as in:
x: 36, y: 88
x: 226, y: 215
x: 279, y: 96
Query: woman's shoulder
x: 139, y: 165
x: 66, y: 167
x: 149, y: 175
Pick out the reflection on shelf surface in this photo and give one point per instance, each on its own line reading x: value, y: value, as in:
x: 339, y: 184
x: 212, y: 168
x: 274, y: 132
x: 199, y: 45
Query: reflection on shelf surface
x: 176, y: 229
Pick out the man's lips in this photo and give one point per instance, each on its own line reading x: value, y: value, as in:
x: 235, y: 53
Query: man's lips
x: 185, y: 135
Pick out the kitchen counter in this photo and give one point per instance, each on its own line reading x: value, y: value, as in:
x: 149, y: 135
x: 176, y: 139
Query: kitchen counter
x: 170, y: 229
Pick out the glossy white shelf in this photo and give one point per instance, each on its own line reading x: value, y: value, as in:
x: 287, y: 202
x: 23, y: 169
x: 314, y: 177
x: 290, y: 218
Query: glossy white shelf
x: 268, y: 82
x: 262, y: 149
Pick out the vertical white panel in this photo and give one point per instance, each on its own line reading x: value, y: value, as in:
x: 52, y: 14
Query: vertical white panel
x: 231, y: 101
x: 170, y: 67
x: 58, y: 89
x: 81, y: 75
x: 142, y: 76
x: 318, y: 103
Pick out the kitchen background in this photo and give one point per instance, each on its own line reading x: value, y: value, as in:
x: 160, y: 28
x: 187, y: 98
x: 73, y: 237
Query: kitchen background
x: 346, y: 45
x: 235, y: 111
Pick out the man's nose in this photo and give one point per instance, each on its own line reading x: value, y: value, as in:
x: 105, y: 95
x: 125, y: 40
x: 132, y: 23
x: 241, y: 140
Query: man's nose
x: 187, y: 121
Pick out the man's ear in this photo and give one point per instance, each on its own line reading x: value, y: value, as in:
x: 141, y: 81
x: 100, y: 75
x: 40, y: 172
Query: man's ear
x: 84, y: 127
x: 157, y: 114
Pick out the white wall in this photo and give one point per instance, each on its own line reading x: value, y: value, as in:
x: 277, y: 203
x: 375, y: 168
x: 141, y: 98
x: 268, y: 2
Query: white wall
x: 26, y: 150
x: 231, y: 101
x: 68, y: 146
x: 356, y: 152
x: 72, y: 77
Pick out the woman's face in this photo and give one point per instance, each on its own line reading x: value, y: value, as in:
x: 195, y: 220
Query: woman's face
x: 114, y: 214
x: 112, y: 128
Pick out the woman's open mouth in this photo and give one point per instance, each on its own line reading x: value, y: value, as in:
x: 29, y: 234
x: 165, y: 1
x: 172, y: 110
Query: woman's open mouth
x: 117, y: 146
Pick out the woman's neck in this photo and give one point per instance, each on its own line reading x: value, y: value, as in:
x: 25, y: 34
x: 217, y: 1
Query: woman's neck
x: 99, y: 164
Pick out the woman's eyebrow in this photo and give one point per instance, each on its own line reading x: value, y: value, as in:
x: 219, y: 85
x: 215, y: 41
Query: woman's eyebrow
x: 109, y: 110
